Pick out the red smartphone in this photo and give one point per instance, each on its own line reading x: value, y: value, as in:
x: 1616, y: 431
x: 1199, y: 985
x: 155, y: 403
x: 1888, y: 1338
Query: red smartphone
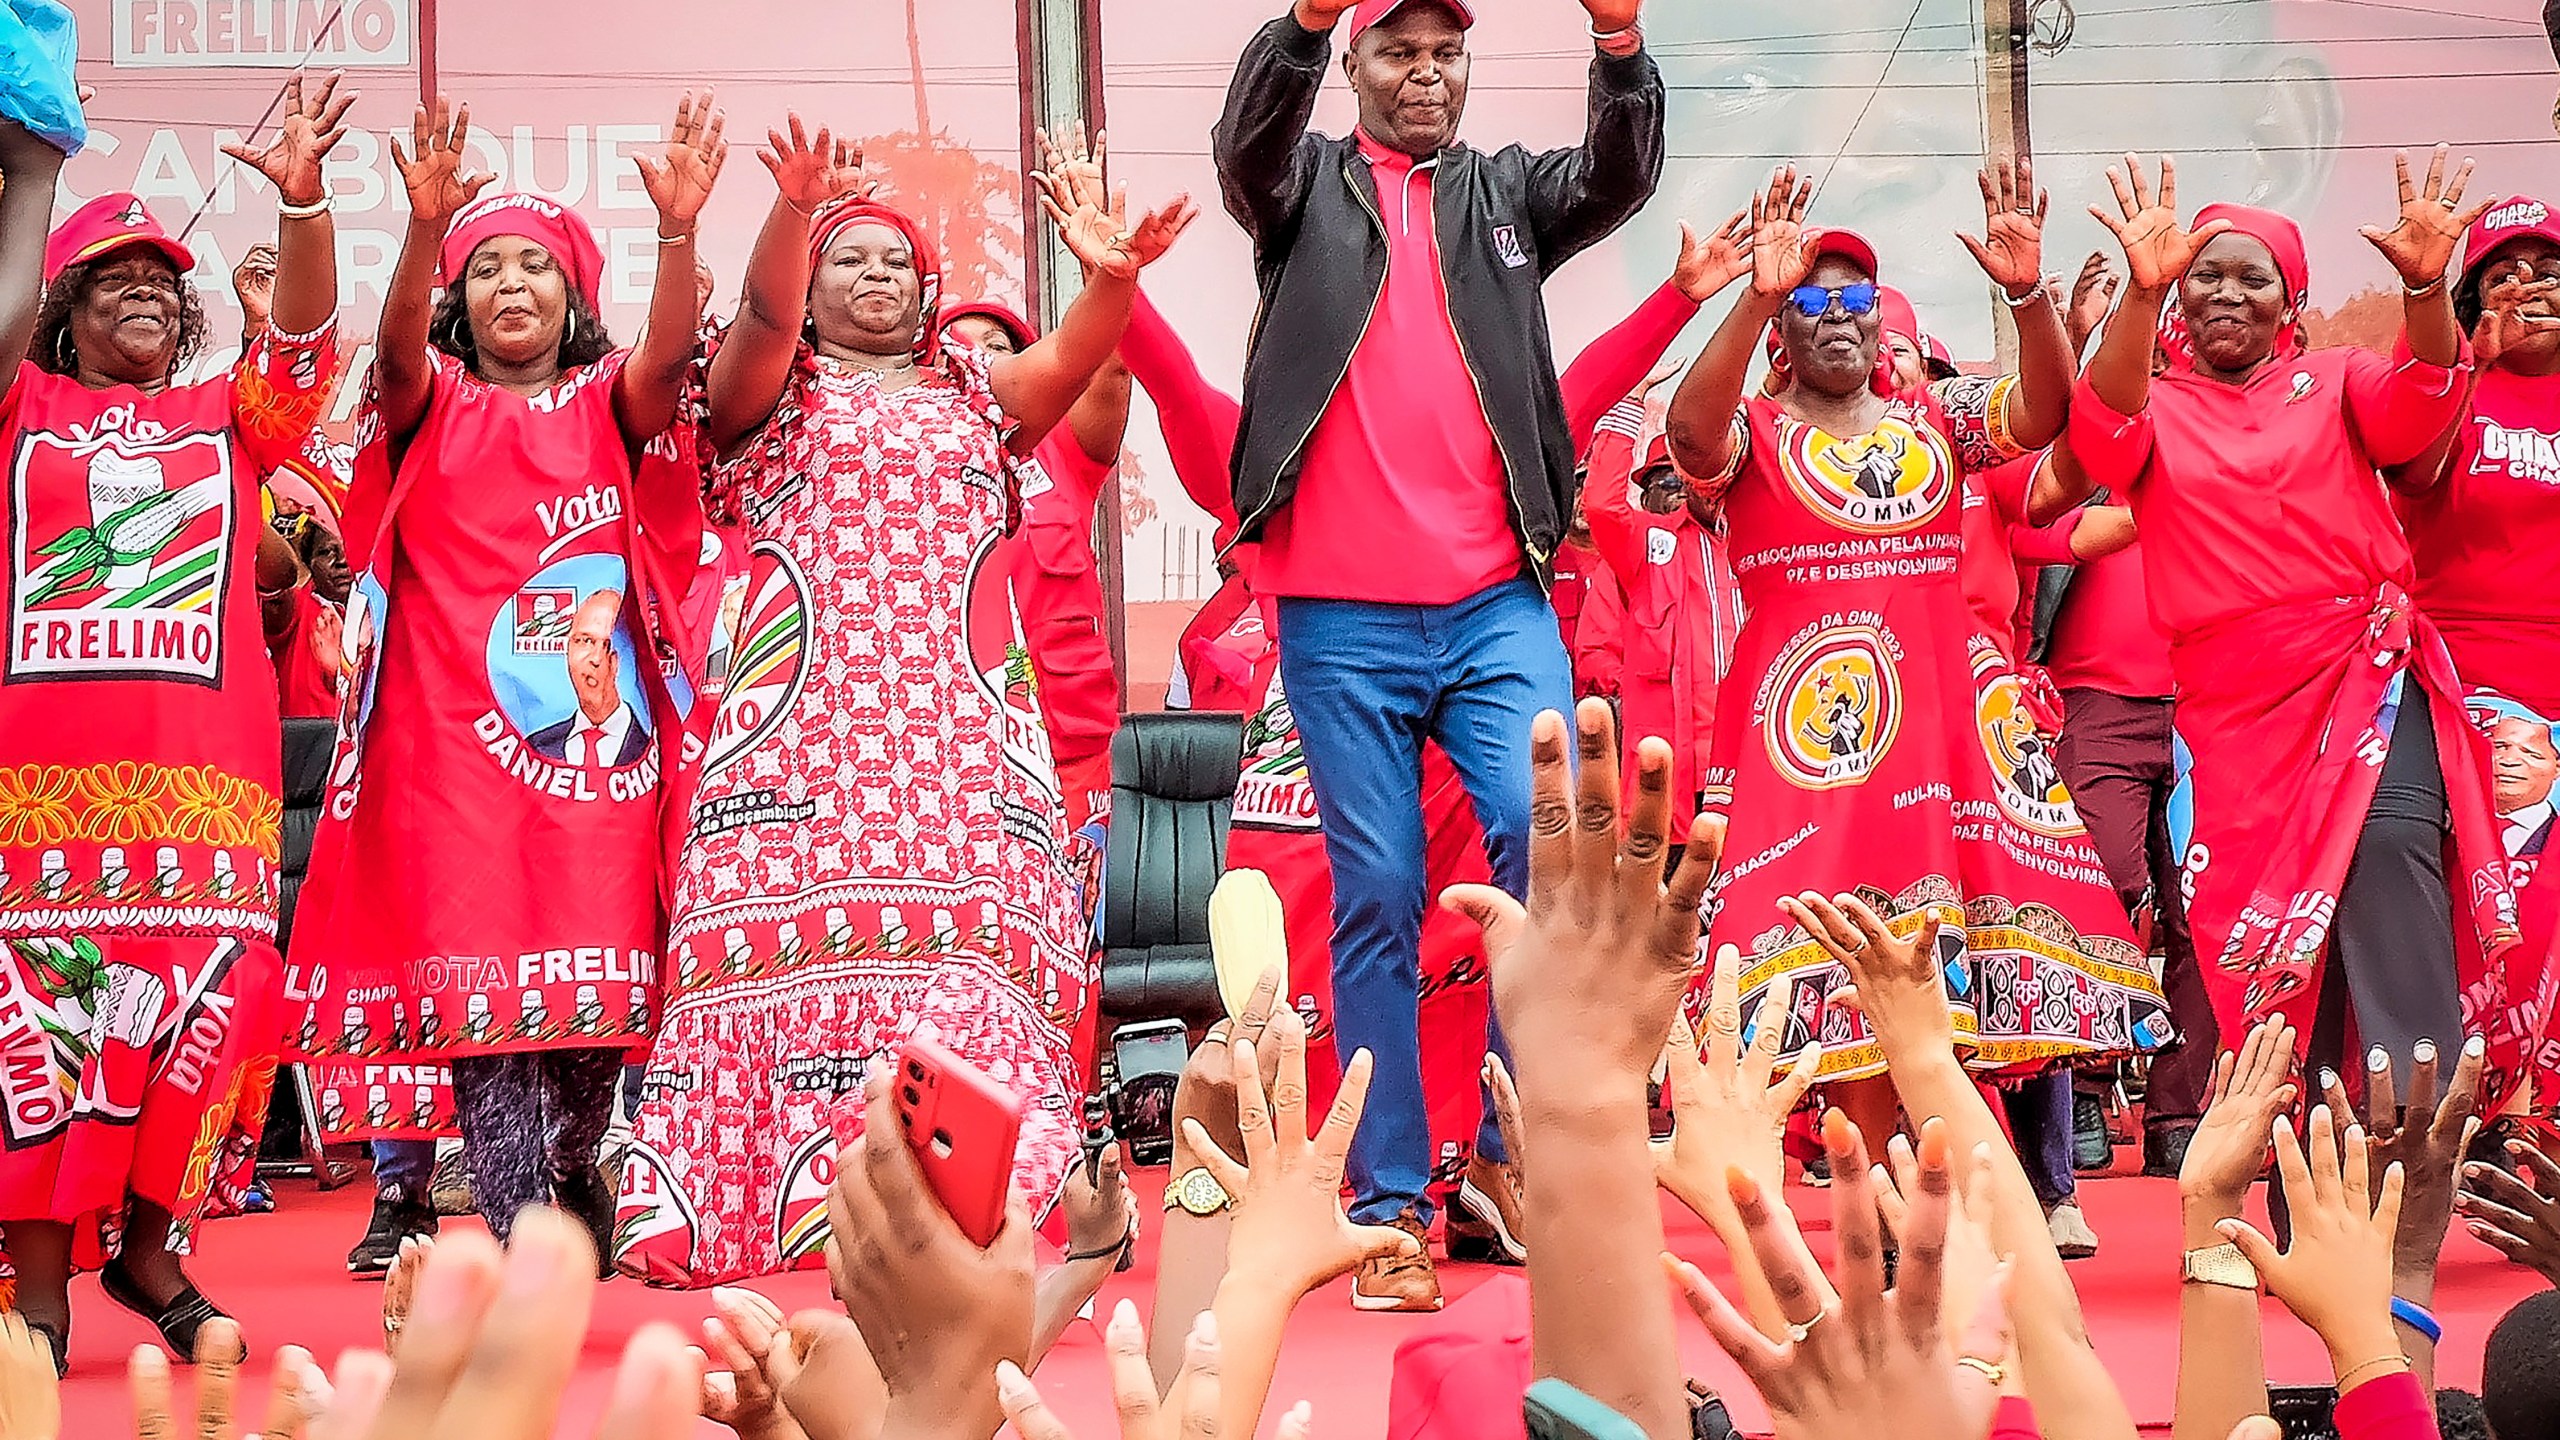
x: 962, y: 1127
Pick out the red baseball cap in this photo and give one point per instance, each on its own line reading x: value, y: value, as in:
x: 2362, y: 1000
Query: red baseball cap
x: 1371, y: 12
x: 1656, y: 455
x: 2515, y: 218
x: 1848, y: 245
x: 107, y: 223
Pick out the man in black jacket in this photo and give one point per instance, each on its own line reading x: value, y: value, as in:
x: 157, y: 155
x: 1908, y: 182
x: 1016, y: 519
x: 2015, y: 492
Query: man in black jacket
x: 1404, y: 462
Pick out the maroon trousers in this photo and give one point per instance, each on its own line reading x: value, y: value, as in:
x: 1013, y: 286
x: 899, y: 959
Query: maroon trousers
x: 2114, y: 755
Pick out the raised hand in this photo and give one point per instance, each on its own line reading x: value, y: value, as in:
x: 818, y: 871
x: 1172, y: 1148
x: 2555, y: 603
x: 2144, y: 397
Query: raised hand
x: 1321, y: 14
x: 2011, y: 250
x: 400, y: 1287
x: 30, y: 1394
x: 2336, y: 1277
x: 1874, y: 1361
x: 1896, y: 983
x: 1608, y: 17
x: 431, y: 168
x: 1291, y: 1232
x: 295, y: 1395
x: 835, y: 1392
x: 1663, y: 373
x: 312, y: 127
x: 748, y: 1359
x: 1781, y: 250
x: 1067, y: 157
x: 253, y: 283
x: 2422, y: 242
x: 936, y: 1311
x: 2520, y: 1221
x: 1710, y: 264
x: 2091, y: 297
x: 809, y: 173
x: 1207, y: 1092
x: 1727, y: 1112
x: 2157, y: 249
x: 2504, y: 325
x: 2427, y: 1141
x: 1972, y: 1265
x: 1594, y: 968
x: 680, y: 177
x: 2250, y: 1089
x: 1188, y: 1412
x: 1102, y: 1216
x: 1097, y: 231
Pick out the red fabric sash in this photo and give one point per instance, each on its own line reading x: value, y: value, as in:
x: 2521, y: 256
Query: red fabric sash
x: 2281, y: 709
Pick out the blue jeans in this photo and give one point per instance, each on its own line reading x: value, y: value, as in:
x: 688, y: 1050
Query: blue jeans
x: 1368, y: 684
x: 409, y: 1164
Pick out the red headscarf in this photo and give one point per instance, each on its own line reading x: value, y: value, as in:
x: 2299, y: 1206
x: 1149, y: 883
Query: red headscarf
x: 836, y: 217
x: 553, y: 226
x: 1002, y: 316
x: 2283, y: 240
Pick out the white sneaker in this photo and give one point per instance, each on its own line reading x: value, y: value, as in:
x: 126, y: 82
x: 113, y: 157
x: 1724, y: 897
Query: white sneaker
x: 2072, y: 1237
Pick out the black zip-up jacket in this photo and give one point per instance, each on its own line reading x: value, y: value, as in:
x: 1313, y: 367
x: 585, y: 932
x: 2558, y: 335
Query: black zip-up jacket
x: 1503, y: 222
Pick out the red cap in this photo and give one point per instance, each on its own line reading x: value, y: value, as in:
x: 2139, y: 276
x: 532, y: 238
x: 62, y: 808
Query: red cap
x: 1938, y: 352
x: 1849, y: 245
x: 1656, y: 455
x: 2514, y: 218
x: 1899, y: 318
x: 1371, y: 12
x: 109, y: 222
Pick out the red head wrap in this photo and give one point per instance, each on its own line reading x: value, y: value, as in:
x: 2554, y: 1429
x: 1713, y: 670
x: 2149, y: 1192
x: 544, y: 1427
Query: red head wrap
x: 1003, y: 317
x: 2283, y: 240
x: 553, y: 226
x: 836, y: 217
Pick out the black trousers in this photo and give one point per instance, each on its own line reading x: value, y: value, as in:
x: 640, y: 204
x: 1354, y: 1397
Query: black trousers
x: 2391, y: 952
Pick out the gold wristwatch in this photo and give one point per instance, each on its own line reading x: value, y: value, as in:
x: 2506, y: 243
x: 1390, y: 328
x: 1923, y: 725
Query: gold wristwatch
x: 2219, y: 1265
x: 1197, y: 1192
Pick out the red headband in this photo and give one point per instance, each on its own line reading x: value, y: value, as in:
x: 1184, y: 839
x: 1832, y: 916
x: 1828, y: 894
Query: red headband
x: 835, y: 218
x: 552, y: 226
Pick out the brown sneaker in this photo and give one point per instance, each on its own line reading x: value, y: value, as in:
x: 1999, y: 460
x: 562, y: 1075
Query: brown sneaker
x: 1399, y: 1282
x: 1485, y: 1222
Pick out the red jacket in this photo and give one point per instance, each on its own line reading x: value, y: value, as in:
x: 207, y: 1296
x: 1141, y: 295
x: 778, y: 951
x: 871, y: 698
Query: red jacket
x: 1599, y: 641
x: 1683, y: 609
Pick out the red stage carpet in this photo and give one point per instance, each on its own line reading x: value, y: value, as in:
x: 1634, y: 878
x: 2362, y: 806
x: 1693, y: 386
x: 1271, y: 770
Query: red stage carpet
x: 284, y: 1276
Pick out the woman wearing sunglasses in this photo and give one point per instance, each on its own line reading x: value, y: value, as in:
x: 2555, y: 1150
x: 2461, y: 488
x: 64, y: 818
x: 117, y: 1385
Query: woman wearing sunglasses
x: 1872, y: 733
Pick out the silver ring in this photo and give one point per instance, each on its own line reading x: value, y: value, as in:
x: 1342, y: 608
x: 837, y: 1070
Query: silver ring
x: 1796, y: 1332
x: 2448, y: 204
x: 391, y: 1324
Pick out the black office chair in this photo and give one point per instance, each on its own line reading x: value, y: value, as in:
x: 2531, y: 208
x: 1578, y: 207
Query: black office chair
x: 1173, y: 784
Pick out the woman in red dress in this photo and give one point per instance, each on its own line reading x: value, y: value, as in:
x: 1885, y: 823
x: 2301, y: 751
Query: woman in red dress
x: 877, y: 848
x: 2342, y: 830
x: 484, y: 889
x: 1867, y: 732
x: 139, y: 786
x: 2494, y: 478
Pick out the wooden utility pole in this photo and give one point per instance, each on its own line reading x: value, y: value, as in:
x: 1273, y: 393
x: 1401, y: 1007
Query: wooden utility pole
x: 2006, y: 27
x: 1060, y: 43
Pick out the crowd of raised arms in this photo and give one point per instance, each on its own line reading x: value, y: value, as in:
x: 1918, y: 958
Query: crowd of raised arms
x: 1859, y: 759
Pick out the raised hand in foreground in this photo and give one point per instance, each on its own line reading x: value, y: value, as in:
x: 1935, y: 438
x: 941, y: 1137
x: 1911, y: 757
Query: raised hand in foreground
x: 1133, y: 1389
x: 935, y: 1311
x: 30, y: 1391
x: 297, y: 1394
x: 747, y: 1360
x: 1874, y: 1361
x: 2519, y: 1220
x: 2336, y: 1277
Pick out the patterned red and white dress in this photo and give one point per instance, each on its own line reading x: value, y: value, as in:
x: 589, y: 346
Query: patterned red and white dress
x: 876, y: 848
x: 1871, y: 740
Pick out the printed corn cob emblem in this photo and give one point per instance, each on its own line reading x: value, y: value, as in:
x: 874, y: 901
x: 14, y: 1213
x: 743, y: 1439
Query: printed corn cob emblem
x: 125, y: 548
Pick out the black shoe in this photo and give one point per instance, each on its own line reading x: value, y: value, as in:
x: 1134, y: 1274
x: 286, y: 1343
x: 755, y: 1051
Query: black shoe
x: 2092, y: 1151
x: 591, y: 1202
x: 178, y: 1321
x: 398, y: 1215
x: 2164, y: 1149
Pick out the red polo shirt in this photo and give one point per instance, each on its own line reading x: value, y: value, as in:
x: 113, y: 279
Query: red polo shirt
x: 1402, y: 498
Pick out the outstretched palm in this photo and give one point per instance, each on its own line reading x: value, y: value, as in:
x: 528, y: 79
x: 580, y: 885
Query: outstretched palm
x: 2432, y: 221
x: 431, y: 169
x: 2157, y: 249
x: 1781, y: 251
x: 1093, y: 218
x: 2011, y: 250
x: 1710, y: 264
x: 313, y: 125
x: 680, y: 178
x: 809, y: 173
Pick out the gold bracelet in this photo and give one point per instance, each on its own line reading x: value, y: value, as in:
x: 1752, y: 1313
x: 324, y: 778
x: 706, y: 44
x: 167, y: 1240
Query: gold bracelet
x: 2346, y: 1376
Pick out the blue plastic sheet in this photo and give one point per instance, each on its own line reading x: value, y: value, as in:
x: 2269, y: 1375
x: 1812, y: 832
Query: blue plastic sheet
x: 38, y: 42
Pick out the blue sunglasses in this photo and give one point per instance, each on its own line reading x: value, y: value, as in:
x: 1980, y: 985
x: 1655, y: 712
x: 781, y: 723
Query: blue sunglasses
x: 1814, y: 301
